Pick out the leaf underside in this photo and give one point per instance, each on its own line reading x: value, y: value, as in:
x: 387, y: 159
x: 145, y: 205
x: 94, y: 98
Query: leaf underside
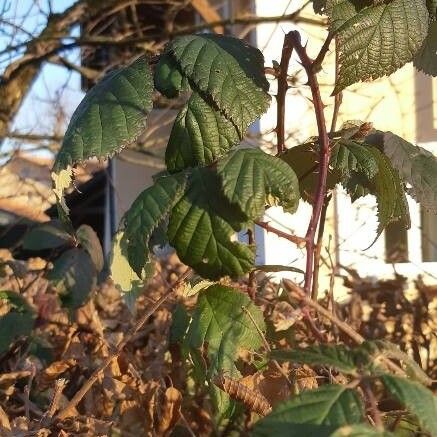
x: 123, y: 275
x: 416, y: 166
x: 388, y: 189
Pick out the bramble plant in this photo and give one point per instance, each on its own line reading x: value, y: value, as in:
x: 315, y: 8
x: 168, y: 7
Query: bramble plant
x: 214, y: 188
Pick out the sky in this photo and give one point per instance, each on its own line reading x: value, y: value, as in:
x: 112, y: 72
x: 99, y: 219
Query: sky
x: 55, y: 87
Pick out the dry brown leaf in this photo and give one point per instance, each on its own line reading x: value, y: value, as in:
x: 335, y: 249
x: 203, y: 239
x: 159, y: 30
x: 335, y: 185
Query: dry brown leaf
x: 47, y: 377
x: 11, y: 377
x: 4, y: 421
x: 306, y: 378
x: 270, y: 383
x: 285, y: 316
x: 171, y: 410
x: 88, y: 316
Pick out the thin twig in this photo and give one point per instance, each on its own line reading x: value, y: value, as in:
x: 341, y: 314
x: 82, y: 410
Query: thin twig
x: 300, y: 295
x: 337, y: 103
x: 93, y: 378
x: 317, y: 64
x: 299, y: 241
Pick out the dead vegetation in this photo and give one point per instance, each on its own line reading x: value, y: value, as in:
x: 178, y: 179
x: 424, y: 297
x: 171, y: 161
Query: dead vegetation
x: 149, y: 389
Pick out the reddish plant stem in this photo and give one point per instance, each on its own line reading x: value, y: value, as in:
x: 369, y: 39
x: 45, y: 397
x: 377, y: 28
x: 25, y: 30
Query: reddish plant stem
x: 317, y: 64
x: 299, y: 241
x: 287, y: 50
x: 337, y: 103
x: 325, y: 153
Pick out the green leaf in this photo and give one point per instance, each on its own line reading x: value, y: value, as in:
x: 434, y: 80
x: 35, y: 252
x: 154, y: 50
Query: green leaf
x: 380, y: 39
x: 111, y: 116
x: 349, y: 156
x: 228, y: 71
x: 343, y: 359
x: 277, y: 268
x: 389, y: 350
x: 200, y: 135
x: 222, y: 321
x: 47, y: 236
x: 124, y: 277
x: 17, y: 322
x: 426, y: 58
x: 90, y: 242
x: 417, y: 167
x: 179, y: 325
x: 360, y: 431
x: 74, y: 276
x: 340, y: 11
x: 149, y: 209
x: 329, y: 405
x: 201, y: 226
x: 251, y: 179
x: 168, y: 79
x: 416, y: 399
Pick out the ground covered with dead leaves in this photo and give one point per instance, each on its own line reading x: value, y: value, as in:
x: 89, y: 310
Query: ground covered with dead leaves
x: 149, y: 389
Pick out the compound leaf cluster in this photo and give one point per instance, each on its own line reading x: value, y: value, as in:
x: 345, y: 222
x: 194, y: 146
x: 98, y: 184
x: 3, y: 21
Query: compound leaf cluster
x: 361, y: 168
x: 229, y: 92
x: 224, y: 322
x: 376, y: 38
